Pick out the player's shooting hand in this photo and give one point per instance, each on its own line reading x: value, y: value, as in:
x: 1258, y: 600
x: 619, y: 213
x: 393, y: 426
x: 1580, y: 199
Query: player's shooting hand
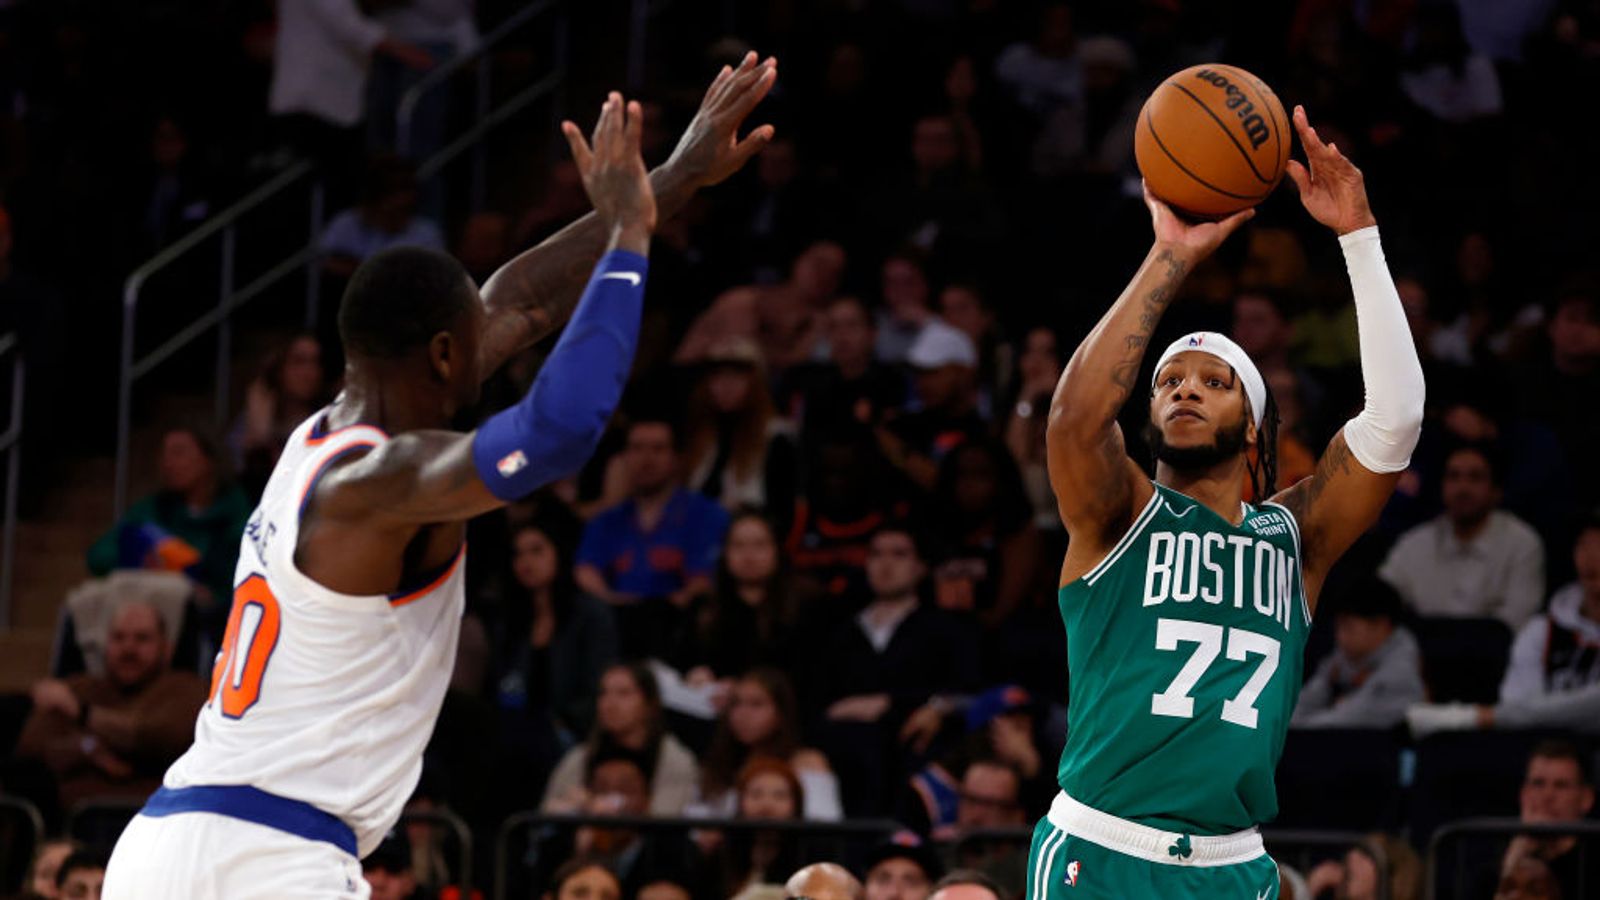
x: 612, y: 168
x: 1331, y: 188
x: 1195, y: 240
x: 710, y: 149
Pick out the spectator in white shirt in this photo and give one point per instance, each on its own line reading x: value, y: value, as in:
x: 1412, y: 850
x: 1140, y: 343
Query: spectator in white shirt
x: 319, y: 72
x: 387, y: 217
x: 1475, y: 560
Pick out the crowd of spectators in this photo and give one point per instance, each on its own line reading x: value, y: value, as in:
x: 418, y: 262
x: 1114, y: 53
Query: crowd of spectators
x: 811, y: 573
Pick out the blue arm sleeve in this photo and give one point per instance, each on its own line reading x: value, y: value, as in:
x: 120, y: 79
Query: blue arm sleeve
x: 551, y: 433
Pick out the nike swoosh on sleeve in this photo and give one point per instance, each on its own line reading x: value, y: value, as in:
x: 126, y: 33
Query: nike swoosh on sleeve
x: 630, y: 277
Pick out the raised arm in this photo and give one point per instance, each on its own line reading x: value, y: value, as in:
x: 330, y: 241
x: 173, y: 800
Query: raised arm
x: 533, y: 294
x: 427, y: 477
x: 1097, y: 487
x: 1363, y: 462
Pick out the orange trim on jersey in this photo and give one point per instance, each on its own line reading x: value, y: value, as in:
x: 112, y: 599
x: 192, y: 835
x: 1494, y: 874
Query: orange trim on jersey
x: 322, y: 467
x: 432, y: 586
x: 315, y: 441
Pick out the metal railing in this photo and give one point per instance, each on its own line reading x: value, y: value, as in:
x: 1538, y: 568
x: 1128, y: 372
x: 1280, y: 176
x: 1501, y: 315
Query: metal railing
x: 1587, y: 832
x: 483, y: 118
x: 11, y: 446
x: 230, y: 299
x: 219, y: 317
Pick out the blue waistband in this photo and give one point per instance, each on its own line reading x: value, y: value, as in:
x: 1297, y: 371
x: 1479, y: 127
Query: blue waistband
x: 250, y: 804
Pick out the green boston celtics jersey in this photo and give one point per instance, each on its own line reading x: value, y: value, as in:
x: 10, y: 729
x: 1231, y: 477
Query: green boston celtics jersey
x: 1185, y: 646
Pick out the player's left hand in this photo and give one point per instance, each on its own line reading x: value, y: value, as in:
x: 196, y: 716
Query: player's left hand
x: 710, y: 149
x: 1331, y: 188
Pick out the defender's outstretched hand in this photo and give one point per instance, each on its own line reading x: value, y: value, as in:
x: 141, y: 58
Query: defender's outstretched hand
x: 1331, y: 188
x: 1196, y: 238
x: 710, y: 149
x: 613, y: 170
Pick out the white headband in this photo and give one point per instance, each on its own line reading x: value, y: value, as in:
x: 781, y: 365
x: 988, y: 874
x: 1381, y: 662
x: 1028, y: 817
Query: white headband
x: 1226, y: 350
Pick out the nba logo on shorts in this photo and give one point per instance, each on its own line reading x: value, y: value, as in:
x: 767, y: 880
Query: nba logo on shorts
x: 511, y: 464
x: 1072, y: 874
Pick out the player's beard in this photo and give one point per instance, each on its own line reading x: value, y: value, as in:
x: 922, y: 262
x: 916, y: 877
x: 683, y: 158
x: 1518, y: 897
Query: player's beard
x: 1228, y: 443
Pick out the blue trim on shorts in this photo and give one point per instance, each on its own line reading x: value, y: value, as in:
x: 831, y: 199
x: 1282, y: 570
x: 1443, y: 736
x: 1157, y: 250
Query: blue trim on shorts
x: 240, y: 801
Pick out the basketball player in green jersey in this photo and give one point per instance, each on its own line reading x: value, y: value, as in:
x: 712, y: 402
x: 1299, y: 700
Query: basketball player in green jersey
x: 1187, y: 609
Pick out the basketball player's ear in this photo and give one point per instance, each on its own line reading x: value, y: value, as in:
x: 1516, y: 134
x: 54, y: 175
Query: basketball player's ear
x: 441, y: 355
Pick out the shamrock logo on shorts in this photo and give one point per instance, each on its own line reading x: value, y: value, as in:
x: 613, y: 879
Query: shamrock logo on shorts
x: 1181, y: 849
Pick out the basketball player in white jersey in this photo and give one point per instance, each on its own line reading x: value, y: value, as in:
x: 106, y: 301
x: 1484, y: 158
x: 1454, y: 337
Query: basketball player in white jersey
x: 348, y: 592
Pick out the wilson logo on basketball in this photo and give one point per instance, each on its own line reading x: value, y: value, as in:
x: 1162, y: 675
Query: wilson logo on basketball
x: 1212, y: 140
x: 1255, y: 127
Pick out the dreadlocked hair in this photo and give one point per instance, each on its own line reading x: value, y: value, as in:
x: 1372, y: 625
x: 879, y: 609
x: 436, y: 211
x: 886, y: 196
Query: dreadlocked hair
x: 1264, y: 469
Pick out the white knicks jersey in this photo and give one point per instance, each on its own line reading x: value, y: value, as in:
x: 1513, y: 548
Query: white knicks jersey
x: 318, y: 696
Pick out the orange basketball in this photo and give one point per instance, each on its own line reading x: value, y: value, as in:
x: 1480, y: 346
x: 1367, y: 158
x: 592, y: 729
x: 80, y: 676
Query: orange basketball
x: 1212, y: 140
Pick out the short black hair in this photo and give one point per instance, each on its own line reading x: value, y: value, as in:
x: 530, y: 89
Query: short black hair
x: 1368, y: 597
x: 399, y: 299
x: 919, y: 538
x: 80, y: 859
x: 1490, y: 452
x: 609, y: 752
x: 1560, y: 748
x: 656, y: 418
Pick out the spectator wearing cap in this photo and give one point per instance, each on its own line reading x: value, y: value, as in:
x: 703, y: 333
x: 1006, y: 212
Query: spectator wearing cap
x: 1375, y: 671
x: 736, y: 449
x: 880, y: 665
x: 1475, y: 560
x: 963, y: 306
x: 945, y: 362
x: 966, y: 884
x: 901, y: 868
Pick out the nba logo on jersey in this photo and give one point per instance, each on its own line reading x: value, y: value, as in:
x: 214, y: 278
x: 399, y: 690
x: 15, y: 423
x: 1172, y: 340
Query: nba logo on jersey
x: 511, y: 464
x: 1072, y: 874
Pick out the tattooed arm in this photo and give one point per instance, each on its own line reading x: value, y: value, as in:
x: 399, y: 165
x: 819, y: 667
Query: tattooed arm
x: 535, y: 293
x: 1098, y: 488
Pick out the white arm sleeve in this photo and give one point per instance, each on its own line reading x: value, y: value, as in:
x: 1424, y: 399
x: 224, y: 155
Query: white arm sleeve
x: 1383, y: 435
